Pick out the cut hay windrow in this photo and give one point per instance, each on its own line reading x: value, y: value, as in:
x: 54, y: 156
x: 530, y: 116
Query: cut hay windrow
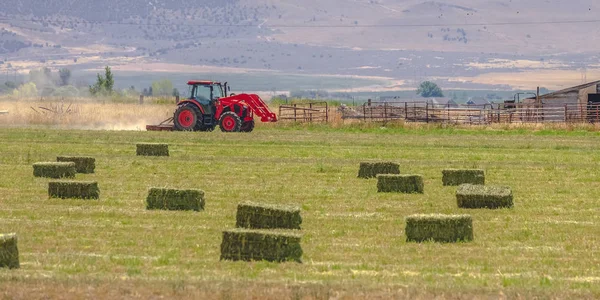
x: 456, y: 177
x: 371, y: 170
x: 408, y: 184
x: 256, y: 245
x: 9, y: 252
x: 439, y: 228
x: 83, y: 164
x: 73, y: 189
x: 147, y: 149
x: 174, y: 199
x: 264, y: 216
x: 479, y: 196
x: 54, y: 170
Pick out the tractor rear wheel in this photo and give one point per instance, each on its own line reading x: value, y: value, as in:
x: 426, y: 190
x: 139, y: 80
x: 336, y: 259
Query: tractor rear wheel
x: 248, y: 126
x: 187, y: 118
x: 230, y: 122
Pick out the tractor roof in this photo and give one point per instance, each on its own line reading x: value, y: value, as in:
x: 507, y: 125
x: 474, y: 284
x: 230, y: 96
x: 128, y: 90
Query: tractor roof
x: 202, y: 82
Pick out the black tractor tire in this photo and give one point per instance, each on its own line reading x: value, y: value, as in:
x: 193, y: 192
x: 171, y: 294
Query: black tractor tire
x: 247, y: 126
x: 230, y: 122
x: 188, y: 117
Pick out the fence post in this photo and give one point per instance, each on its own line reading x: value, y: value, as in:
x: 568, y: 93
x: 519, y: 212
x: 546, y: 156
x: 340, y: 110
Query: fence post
x: 326, y: 112
x: 405, y: 111
x: 295, y: 113
x: 177, y: 99
x: 310, y: 115
x: 426, y: 112
x: 141, y: 99
x: 385, y: 112
x: 566, y: 114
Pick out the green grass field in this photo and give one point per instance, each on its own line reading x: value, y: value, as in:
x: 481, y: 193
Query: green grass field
x: 354, y: 244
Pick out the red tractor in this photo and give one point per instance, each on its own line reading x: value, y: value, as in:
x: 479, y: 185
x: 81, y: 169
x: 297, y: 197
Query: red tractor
x: 209, y: 106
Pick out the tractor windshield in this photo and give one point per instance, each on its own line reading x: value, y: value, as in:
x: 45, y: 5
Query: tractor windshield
x: 218, y: 91
x: 202, y: 92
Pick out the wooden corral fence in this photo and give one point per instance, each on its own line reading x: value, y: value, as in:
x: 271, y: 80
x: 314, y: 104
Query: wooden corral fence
x: 474, y: 114
x: 304, y: 112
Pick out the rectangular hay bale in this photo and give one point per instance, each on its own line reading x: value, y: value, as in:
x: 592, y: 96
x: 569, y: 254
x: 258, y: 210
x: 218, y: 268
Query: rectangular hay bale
x: 408, y: 184
x: 456, y: 177
x: 83, y: 164
x: 248, y: 245
x: 150, y: 149
x: 174, y: 199
x: 479, y: 196
x: 264, y: 216
x: 54, y: 169
x: 73, y: 189
x: 439, y: 228
x: 9, y: 252
x: 371, y: 170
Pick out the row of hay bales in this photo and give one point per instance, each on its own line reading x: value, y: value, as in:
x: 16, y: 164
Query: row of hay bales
x: 66, y: 167
x: 470, y: 194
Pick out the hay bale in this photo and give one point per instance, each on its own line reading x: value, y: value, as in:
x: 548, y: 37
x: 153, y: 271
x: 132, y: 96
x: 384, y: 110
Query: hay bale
x: 408, y: 184
x: 479, y: 196
x: 249, y: 245
x: 146, y: 149
x: 264, y: 216
x: 9, y: 253
x: 173, y: 199
x: 54, y: 169
x: 73, y: 189
x: 83, y: 164
x: 371, y: 170
x: 439, y: 228
x: 456, y: 177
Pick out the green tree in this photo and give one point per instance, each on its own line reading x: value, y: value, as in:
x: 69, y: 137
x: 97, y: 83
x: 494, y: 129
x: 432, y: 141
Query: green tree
x: 162, y: 87
x: 104, y: 84
x: 26, y: 90
x: 109, y: 84
x: 429, y: 89
x: 65, y: 76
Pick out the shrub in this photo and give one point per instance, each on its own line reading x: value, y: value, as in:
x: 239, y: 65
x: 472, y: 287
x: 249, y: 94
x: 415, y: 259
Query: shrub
x: 85, y: 165
x: 407, y: 184
x: 261, y: 216
x: 73, y: 189
x: 371, y: 170
x: 479, y: 196
x: 439, y: 228
x: 9, y: 253
x: 248, y: 245
x: 454, y: 177
x: 152, y: 149
x: 54, y: 169
x: 172, y: 199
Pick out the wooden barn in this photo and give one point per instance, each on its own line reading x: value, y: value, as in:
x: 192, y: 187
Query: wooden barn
x: 577, y: 95
x: 578, y: 103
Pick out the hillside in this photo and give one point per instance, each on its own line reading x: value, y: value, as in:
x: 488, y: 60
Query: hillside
x: 407, y: 40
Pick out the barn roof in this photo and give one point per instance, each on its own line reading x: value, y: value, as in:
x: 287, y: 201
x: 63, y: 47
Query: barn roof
x: 572, y: 89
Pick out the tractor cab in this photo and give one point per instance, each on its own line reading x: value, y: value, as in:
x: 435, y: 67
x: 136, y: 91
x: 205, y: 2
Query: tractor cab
x: 206, y: 93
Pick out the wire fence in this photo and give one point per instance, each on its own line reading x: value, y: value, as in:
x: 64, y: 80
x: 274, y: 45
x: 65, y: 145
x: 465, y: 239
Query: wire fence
x: 473, y: 114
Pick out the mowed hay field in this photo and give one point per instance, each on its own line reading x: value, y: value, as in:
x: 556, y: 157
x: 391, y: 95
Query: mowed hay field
x: 354, y: 242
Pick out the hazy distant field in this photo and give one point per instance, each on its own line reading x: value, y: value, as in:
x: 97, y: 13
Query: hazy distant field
x: 354, y: 243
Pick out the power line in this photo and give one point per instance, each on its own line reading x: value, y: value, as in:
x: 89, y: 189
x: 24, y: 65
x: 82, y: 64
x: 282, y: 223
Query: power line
x: 120, y: 23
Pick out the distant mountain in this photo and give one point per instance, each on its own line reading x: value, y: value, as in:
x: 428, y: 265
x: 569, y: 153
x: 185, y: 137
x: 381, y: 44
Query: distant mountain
x: 406, y: 40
